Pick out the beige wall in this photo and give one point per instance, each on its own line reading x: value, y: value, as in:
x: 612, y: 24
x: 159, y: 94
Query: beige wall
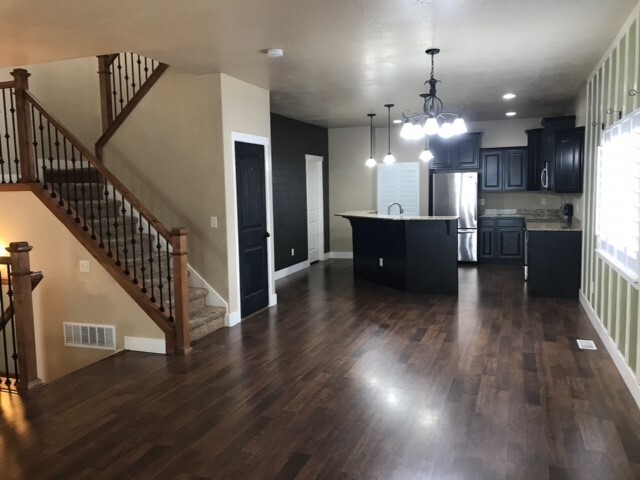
x: 65, y: 295
x: 245, y: 110
x: 69, y: 90
x: 169, y: 153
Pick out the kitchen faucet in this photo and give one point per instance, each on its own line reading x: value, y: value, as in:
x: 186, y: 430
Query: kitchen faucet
x: 391, y: 205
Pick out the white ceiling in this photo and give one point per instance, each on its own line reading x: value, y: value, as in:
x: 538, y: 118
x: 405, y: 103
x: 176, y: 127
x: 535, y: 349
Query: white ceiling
x: 343, y: 58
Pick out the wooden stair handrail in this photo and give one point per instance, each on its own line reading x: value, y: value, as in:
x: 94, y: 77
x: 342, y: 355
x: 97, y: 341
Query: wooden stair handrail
x: 129, y: 107
x: 155, y: 223
x: 7, y: 84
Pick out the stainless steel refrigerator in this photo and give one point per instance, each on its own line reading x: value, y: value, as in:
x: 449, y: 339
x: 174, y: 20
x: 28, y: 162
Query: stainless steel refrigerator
x: 457, y: 194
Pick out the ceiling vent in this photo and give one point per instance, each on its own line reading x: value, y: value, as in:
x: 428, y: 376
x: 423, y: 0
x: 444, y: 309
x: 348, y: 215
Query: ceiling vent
x: 90, y: 336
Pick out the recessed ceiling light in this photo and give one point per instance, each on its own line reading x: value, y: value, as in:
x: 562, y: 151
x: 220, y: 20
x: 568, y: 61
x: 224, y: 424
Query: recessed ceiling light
x: 509, y: 96
x: 397, y: 120
x: 510, y: 114
x: 274, y: 52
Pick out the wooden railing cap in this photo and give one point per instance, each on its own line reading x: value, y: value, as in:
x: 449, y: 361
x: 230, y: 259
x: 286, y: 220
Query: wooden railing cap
x: 18, y: 247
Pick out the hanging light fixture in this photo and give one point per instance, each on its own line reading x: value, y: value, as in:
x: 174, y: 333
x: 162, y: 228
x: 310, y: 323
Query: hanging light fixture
x: 389, y: 158
x: 433, y: 120
x: 426, y: 154
x: 371, y: 162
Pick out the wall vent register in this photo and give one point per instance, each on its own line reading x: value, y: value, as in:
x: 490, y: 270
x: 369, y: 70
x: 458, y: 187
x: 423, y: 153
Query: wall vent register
x: 90, y: 336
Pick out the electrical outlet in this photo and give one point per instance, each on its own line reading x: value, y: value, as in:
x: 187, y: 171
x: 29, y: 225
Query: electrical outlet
x: 482, y: 202
x: 543, y: 201
x: 85, y: 266
x: 293, y: 252
x: 380, y: 262
x: 214, y: 222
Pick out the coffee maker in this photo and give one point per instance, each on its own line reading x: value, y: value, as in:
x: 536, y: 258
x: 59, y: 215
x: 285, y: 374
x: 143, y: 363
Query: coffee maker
x: 567, y: 212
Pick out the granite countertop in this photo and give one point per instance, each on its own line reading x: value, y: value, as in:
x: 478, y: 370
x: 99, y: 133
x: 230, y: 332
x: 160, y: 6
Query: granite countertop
x: 540, y: 225
x: 538, y: 220
x: 381, y: 216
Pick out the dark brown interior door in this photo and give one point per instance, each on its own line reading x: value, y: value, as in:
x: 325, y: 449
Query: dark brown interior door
x: 252, y: 227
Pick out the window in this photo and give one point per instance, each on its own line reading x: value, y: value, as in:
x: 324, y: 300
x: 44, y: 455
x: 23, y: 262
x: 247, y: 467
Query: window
x: 399, y: 182
x: 618, y: 197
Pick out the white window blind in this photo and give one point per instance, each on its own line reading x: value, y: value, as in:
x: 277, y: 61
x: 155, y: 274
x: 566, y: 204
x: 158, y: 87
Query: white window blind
x: 399, y: 182
x: 618, y: 197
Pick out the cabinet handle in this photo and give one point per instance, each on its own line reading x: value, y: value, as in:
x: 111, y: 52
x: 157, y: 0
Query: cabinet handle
x: 544, y: 177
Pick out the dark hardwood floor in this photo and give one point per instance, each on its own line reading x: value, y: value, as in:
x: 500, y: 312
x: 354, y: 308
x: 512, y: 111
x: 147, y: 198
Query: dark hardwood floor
x: 346, y: 380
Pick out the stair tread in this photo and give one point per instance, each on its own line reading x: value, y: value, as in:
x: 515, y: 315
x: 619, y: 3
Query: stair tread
x: 205, y: 314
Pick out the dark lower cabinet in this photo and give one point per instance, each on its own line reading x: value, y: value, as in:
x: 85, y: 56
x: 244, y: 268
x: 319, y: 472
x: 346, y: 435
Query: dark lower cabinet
x: 554, y: 263
x: 501, y: 240
x: 503, y: 169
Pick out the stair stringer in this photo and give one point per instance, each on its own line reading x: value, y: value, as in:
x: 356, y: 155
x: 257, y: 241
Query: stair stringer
x: 116, y: 272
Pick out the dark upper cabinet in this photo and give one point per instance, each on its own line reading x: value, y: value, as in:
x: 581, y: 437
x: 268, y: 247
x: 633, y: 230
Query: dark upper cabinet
x: 534, y: 159
x: 550, y: 126
x: 461, y: 152
x: 569, y: 146
x: 503, y: 169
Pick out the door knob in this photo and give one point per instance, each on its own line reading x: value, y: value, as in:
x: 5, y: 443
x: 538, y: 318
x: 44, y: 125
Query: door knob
x: 267, y: 234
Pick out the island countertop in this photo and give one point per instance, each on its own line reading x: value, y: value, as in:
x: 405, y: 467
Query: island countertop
x: 382, y: 216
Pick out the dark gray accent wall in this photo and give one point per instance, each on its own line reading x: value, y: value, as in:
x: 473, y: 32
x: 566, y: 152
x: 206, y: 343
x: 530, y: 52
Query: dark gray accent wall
x: 291, y: 140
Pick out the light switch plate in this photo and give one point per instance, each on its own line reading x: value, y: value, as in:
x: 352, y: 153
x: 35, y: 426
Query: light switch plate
x: 85, y: 266
x: 214, y: 222
x: 543, y: 201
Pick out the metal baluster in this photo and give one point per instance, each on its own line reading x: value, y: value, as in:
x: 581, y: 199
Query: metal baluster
x: 120, y: 84
x: 16, y: 158
x: 99, y: 207
x: 160, y: 283
x: 4, y: 337
x: 53, y: 192
x: 92, y: 215
x: 107, y: 216
x: 6, y: 137
x: 2, y: 177
x: 115, y: 224
x: 13, y: 325
x: 66, y: 171
x: 139, y: 62
x: 44, y: 156
x: 126, y: 76
x: 133, y: 75
x: 146, y: 69
x: 83, y: 190
x: 75, y: 184
x: 142, y: 261
x: 115, y: 90
x: 60, y: 192
x: 168, y: 255
x: 125, y: 250
x: 153, y: 293
x: 35, y: 140
x: 133, y: 244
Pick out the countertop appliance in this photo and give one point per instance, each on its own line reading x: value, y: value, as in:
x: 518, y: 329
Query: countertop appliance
x: 567, y: 212
x: 457, y: 194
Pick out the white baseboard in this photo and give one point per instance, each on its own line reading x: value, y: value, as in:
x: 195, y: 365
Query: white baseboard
x: 148, y: 345
x: 273, y: 299
x: 232, y: 318
x: 627, y: 374
x: 340, y: 254
x: 291, y: 270
x: 213, y: 298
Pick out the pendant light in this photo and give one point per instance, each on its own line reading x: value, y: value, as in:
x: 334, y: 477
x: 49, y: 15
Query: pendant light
x: 426, y: 154
x: 433, y: 120
x: 389, y: 158
x: 371, y: 162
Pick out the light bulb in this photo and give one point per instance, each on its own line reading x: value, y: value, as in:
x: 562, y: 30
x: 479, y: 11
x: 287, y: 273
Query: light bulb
x: 426, y: 155
x: 431, y: 126
x: 417, y: 132
x: 406, y: 131
x: 446, y: 130
x: 459, y: 126
x: 389, y: 159
x: 371, y: 162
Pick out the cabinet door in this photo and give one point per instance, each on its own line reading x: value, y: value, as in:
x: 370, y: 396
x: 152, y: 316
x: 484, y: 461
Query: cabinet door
x: 486, y: 246
x: 491, y: 169
x: 441, y: 154
x: 466, y: 151
x: 510, y: 243
x: 534, y: 159
x: 515, y: 169
x: 568, y: 160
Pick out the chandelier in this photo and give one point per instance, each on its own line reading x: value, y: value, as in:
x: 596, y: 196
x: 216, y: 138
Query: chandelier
x: 433, y: 120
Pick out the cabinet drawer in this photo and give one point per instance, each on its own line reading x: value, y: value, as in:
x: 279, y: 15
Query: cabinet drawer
x: 487, y: 222
x: 510, y: 222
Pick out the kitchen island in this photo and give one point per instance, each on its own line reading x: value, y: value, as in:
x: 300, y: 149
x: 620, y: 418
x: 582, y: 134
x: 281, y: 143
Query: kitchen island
x: 417, y: 254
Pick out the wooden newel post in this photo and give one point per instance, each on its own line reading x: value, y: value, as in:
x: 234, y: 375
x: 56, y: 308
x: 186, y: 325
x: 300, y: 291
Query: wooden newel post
x: 24, y: 126
x: 23, y: 307
x: 106, y: 102
x: 181, y: 290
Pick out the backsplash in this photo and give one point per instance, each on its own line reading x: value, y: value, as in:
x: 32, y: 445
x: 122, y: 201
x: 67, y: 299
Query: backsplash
x: 529, y: 201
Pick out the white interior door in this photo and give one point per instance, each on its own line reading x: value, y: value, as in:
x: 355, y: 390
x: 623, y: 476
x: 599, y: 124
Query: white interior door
x: 315, y: 220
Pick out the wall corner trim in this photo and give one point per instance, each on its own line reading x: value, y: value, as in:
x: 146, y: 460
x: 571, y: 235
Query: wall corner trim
x: 627, y: 374
x: 284, y: 272
x: 147, y: 345
x: 340, y: 254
